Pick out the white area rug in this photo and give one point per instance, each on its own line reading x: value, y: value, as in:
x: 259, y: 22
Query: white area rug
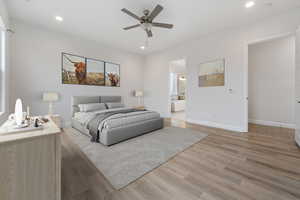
x: 125, y: 162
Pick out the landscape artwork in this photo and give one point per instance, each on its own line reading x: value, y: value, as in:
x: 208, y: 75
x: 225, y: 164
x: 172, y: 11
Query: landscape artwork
x: 95, y: 72
x: 112, y: 75
x: 88, y: 71
x: 212, y: 74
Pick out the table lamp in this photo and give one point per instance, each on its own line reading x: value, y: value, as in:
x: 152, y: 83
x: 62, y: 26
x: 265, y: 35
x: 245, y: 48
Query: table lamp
x: 139, y: 94
x: 50, y: 97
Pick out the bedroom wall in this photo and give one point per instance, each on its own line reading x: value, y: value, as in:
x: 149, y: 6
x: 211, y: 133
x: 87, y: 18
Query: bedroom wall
x: 272, y: 82
x: 4, y: 92
x: 223, y: 107
x: 36, y: 68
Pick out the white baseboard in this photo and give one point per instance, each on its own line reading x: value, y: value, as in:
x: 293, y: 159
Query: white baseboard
x: 217, y: 125
x: 271, y: 123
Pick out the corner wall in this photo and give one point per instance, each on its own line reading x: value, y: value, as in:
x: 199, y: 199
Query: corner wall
x: 36, y: 68
x: 216, y: 107
x: 272, y: 82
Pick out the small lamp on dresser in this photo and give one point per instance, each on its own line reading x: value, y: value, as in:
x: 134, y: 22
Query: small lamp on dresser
x: 50, y: 97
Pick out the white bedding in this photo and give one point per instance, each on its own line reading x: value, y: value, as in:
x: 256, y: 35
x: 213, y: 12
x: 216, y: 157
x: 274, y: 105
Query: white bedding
x: 117, y: 120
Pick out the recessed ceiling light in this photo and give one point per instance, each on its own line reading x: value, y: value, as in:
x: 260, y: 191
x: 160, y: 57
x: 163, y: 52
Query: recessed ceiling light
x: 249, y: 4
x: 143, y: 47
x: 59, y: 18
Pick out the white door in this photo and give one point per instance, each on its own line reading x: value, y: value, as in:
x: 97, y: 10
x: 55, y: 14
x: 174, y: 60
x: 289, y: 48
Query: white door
x: 297, y: 136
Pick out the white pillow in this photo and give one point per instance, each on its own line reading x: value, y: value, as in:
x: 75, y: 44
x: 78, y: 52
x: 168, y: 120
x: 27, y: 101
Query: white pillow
x: 91, y: 107
x: 114, y: 105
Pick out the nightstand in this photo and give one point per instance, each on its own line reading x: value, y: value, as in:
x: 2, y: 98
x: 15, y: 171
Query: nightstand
x: 57, y: 120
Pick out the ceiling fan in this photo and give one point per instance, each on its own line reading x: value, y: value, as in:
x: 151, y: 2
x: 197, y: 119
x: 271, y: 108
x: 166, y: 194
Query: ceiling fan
x: 146, y: 21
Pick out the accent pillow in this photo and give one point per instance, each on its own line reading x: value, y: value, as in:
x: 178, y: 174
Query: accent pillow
x: 91, y: 107
x: 114, y: 105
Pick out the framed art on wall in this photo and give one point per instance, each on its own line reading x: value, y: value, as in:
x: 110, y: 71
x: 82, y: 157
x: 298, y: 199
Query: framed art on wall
x: 95, y: 72
x: 212, y: 74
x: 112, y: 74
x: 73, y: 69
x: 88, y: 71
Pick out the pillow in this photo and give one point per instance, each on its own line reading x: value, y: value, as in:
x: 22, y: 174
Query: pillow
x: 91, y: 107
x: 114, y: 105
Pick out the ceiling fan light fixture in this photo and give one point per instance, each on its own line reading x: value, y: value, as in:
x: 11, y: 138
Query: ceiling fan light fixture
x: 146, y: 21
x: 249, y: 4
x: 146, y: 26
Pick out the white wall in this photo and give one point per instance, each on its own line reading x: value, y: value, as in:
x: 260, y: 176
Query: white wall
x: 297, y: 91
x: 272, y: 82
x: 3, y: 78
x: 36, y: 67
x: 213, y: 106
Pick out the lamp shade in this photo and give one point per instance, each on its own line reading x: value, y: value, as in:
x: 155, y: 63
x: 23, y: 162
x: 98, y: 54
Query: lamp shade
x: 50, y: 96
x: 138, y: 93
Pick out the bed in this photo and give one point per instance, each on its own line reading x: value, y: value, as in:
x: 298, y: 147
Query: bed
x: 112, y: 124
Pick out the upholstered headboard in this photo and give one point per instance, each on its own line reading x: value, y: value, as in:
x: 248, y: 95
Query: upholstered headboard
x: 76, y: 100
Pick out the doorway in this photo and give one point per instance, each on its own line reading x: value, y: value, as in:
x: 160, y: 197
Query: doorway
x: 177, y: 92
x: 271, y: 82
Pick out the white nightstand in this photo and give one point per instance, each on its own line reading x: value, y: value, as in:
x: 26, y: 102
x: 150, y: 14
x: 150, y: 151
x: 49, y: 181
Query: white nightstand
x: 57, y: 120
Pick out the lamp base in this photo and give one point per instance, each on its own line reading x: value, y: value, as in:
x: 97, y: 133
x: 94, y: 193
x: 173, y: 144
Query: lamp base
x: 50, y: 112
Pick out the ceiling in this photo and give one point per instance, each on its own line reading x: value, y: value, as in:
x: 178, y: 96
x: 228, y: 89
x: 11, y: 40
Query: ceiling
x: 102, y: 20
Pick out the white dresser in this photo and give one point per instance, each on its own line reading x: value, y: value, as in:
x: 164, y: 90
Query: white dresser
x: 30, y: 165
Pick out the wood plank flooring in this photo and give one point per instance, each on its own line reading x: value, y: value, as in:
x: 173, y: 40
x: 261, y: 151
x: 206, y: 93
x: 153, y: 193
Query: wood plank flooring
x: 262, y: 164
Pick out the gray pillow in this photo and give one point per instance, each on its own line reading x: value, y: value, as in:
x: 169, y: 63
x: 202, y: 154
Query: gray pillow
x: 91, y: 107
x: 114, y: 105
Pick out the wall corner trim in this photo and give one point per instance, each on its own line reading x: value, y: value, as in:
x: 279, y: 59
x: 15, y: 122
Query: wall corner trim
x: 218, y: 125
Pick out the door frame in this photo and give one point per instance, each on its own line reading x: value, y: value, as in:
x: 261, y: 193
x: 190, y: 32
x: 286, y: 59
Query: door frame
x: 169, y: 71
x: 246, y: 71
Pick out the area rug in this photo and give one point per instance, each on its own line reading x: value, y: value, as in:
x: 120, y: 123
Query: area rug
x: 125, y: 162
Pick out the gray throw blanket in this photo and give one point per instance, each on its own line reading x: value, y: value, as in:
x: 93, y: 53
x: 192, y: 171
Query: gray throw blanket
x: 93, y: 125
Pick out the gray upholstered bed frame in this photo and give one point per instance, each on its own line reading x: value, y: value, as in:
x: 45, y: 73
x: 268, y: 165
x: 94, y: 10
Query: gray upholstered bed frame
x: 115, y: 135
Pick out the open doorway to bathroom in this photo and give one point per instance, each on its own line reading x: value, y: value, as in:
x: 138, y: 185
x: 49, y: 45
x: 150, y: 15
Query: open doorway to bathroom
x: 177, y: 93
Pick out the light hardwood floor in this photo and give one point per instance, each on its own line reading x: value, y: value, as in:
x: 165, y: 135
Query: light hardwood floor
x: 262, y: 164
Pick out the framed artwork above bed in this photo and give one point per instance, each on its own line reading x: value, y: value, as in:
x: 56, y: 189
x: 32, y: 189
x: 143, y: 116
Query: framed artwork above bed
x: 112, y: 74
x: 80, y: 70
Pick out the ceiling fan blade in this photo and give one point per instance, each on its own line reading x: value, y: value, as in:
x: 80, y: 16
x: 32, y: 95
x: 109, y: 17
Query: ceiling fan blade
x: 149, y: 33
x: 130, y: 27
x: 131, y: 14
x: 162, y: 25
x: 155, y: 12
